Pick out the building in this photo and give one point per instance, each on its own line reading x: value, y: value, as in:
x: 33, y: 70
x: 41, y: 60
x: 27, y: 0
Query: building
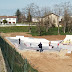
x: 9, y: 19
x: 53, y: 18
x: 35, y: 19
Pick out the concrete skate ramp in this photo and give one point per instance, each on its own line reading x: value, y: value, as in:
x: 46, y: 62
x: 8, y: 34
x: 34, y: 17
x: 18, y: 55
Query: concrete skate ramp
x: 35, y: 41
x: 19, y: 37
x: 68, y: 39
x: 29, y: 43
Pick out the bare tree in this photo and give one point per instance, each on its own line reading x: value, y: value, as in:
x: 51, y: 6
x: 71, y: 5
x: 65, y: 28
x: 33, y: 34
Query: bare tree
x: 23, y: 17
x: 46, y: 11
x: 66, y: 17
x: 40, y: 23
x: 45, y: 22
x: 32, y: 8
x: 30, y: 11
x: 63, y: 9
x: 58, y: 11
x: 70, y: 25
x: 48, y: 24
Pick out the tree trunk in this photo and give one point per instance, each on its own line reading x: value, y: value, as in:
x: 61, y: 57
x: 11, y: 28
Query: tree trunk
x: 29, y: 28
x: 64, y: 29
x: 58, y: 29
x: 47, y: 29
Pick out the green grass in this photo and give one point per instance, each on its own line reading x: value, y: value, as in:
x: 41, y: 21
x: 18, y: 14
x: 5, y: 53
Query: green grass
x: 51, y: 31
x: 14, y: 29
x: 28, y: 23
x: 34, y: 31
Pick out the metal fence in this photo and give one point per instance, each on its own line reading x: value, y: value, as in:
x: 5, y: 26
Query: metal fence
x: 14, y: 61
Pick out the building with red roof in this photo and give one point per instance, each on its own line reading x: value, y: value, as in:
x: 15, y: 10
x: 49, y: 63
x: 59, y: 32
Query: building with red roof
x: 9, y: 19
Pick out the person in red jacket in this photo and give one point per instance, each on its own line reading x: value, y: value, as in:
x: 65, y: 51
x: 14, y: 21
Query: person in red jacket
x: 58, y: 45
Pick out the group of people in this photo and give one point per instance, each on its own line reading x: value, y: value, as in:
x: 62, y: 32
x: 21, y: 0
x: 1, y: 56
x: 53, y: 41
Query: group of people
x: 40, y: 45
x: 50, y: 45
x: 53, y: 46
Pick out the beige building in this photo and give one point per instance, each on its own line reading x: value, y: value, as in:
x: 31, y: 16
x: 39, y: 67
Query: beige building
x: 53, y: 18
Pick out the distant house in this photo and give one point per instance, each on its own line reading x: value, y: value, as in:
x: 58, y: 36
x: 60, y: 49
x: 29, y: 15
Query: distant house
x: 53, y: 17
x: 35, y: 19
x: 9, y: 19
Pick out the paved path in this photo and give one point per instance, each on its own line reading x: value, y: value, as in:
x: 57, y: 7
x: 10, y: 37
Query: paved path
x: 2, y: 64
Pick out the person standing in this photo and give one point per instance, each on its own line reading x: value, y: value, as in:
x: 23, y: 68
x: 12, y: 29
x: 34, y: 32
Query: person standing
x: 58, y: 45
x: 49, y: 43
x: 40, y: 46
x: 19, y: 40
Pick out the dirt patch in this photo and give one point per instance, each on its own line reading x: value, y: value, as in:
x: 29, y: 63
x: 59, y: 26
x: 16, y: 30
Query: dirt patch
x: 15, y: 34
x: 48, y: 62
x: 52, y: 37
x: 49, y: 37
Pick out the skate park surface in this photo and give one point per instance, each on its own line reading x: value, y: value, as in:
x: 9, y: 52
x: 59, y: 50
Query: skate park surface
x: 29, y: 43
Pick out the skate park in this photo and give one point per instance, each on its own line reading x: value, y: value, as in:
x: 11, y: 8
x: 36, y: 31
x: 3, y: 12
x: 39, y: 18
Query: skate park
x: 30, y: 43
x: 55, y: 58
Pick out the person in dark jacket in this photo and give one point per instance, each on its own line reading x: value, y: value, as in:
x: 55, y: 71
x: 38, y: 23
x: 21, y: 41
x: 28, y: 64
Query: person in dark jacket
x: 19, y: 40
x: 40, y: 46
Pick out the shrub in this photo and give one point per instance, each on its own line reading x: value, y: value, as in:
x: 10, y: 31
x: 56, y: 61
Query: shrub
x: 4, y: 21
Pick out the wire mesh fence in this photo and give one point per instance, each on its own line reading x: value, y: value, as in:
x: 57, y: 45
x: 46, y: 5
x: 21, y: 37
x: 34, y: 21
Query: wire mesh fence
x: 14, y: 61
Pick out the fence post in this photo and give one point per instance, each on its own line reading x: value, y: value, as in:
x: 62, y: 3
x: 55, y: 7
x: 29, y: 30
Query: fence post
x: 25, y: 65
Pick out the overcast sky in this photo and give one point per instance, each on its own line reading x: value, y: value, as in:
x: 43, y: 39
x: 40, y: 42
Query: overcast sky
x: 9, y: 7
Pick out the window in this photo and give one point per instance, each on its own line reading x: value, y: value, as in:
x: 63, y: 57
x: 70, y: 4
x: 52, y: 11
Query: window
x: 9, y: 18
x: 13, y: 18
x: 10, y: 22
x: 13, y: 22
